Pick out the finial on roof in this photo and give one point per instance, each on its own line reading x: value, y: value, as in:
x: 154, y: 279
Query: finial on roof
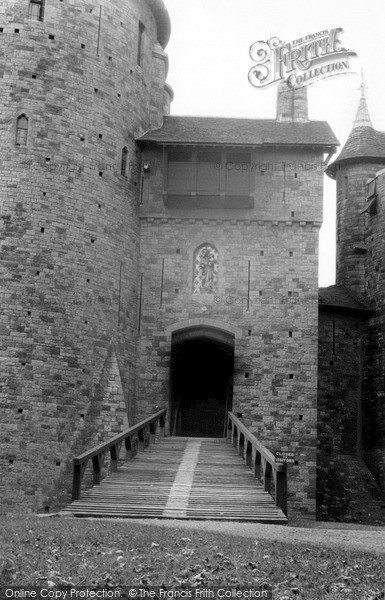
x: 362, y: 116
x: 363, y: 87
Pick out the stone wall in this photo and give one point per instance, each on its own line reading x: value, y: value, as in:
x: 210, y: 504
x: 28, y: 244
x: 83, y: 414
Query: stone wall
x: 339, y: 383
x: 340, y: 380
x: 266, y: 296
x: 374, y: 400
x: 351, y: 423
x: 69, y: 233
x: 351, y: 235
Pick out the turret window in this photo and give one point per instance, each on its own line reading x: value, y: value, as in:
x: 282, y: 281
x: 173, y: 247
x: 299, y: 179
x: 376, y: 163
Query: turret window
x: 371, y: 197
x: 371, y: 189
x: 346, y: 187
x: 21, y: 131
x: 140, y: 43
x: 36, y: 10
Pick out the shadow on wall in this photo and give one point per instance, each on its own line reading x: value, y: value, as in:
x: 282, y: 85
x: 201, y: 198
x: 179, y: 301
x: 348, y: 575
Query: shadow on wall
x: 106, y: 416
x: 347, y: 492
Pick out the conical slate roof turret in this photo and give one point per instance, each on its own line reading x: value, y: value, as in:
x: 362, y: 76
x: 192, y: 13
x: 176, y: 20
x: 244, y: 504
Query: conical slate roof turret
x: 362, y: 117
x: 364, y: 142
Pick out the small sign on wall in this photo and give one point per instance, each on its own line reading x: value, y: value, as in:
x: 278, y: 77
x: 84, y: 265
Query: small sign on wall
x: 282, y: 456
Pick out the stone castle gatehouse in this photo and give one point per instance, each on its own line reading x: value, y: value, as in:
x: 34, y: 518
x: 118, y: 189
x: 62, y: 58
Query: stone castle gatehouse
x: 152, y: 261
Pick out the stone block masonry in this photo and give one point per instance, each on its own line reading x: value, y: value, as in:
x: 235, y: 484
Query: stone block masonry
x: 351, y: 224
x: 69, y: 233
x: 351, y: 393
x: 275, y: 314
x: 266, y: 295
x: 374, y: 396
x: 340, y: 380
x: 112, y: 243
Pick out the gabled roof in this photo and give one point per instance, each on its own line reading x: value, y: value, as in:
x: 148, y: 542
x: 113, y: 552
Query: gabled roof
x: 337, y: 298
x: 242, y: 132
x: 363, y: 143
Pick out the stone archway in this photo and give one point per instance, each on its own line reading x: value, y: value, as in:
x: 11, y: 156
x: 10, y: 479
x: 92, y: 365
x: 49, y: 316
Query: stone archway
x: 202, y: 360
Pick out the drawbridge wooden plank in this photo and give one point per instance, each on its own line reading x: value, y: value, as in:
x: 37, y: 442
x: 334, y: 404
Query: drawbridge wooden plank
x: 183, y: 478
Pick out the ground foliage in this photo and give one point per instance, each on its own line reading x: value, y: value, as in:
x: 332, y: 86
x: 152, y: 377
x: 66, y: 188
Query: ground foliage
x: 74, y: 552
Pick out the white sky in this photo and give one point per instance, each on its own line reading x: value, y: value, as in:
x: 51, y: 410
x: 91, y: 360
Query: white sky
x: 209, y: 64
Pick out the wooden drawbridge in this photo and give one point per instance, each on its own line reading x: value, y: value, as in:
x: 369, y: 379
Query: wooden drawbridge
x: 182, y: 478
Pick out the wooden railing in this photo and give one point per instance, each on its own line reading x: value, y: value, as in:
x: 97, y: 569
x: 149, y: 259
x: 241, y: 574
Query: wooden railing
x: 135, y: 438
x: 260, y: 460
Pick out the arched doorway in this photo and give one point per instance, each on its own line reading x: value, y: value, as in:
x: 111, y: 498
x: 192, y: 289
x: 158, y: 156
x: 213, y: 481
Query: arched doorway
x: 202, y: 360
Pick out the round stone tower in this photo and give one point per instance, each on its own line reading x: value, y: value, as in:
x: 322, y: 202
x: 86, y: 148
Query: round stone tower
x: 361, y: 157
x: 79, y: 80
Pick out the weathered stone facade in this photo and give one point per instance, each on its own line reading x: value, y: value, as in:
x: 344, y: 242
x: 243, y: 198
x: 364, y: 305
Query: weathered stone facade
x: 275, y: 353
x: 374, y: 407
x: 266, y: 290
x: 144, y: 258
x: 70, y: 229
x: 340, y: 383
x: 351, y: 390
x: 351, y: 229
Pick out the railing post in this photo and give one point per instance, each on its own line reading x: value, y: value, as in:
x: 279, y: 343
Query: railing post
x: 143, y: 437
x: 77, y: 482
x: 266, y: 476
x: 141, y: 440
x: 96, y: 464
x: 147, y: 436
x: 153, y: 432
x: 162, y: 426
x: 249, y: 452
x: 114, y: 454
x: 131, y: 447
x: 241, y: 445
x: 257, y: 465
x: 235, y: 436
x: 229, y: 428
x: 281, y: 490
x: 128, y: 446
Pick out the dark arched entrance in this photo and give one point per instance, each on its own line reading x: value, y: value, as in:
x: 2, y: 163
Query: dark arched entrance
x: 202, y: 360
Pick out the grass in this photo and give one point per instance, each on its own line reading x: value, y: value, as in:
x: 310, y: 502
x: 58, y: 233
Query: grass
x: 54, y: 551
